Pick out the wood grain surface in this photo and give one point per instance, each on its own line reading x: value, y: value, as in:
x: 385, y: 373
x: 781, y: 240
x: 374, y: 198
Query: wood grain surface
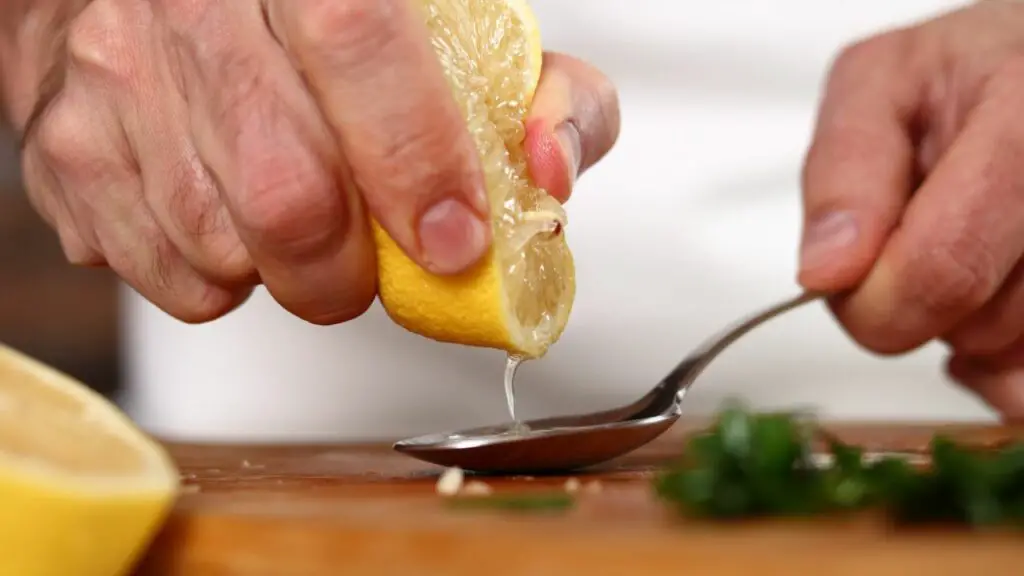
x: 358, y: 509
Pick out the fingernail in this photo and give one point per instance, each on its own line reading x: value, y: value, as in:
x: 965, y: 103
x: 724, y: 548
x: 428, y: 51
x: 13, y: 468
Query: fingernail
x: 452, y: 237
x: 569, y: 139
x: 825, y: 237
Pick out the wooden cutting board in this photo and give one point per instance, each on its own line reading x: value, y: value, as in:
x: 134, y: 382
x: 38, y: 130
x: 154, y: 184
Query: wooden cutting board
x: 361, y: 509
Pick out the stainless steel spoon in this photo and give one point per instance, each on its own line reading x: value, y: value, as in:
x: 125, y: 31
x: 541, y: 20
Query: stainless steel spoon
x: 565, y: 443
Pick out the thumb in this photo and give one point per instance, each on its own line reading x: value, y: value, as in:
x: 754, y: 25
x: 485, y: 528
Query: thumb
x: 859, y: 172
x: 573, y: 123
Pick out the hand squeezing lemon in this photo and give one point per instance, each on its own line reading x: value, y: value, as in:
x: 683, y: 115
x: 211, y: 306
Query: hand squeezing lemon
x: 519, y: 297
x: 83, y: 491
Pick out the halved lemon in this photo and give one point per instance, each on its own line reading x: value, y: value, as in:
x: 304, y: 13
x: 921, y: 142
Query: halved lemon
x: 82, y: 490
x: 519, y: 297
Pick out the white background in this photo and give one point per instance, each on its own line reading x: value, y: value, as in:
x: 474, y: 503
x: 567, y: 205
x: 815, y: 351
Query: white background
x: 691, y: 222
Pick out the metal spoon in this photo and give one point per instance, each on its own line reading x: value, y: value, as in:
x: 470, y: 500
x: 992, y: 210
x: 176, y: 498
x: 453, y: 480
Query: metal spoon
x: 565, y: 443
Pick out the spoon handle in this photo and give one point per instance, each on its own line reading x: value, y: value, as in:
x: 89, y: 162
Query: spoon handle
x: 683, y: 376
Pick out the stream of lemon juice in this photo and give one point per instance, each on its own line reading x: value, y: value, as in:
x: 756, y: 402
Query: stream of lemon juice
x: 534, y: 223
x: 512, y: 363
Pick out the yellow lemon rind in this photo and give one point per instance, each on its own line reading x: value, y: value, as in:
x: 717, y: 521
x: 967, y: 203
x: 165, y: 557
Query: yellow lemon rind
x: 54, y: 523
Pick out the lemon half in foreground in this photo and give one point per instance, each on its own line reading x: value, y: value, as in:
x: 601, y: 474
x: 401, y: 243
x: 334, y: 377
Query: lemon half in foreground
x: 519, y: 297
x: 82, y: 490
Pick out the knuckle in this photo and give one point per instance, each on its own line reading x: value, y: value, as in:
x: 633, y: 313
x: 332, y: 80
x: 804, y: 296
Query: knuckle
x: 61, y: 137
x: 159, y: 272
x: 605, y: 92
x: 230, y: 259
x: 850, y: 142
x: 839, y: 148
x: 98, y: 40
x: 290, y: 202
x: 836, y: 145
x: 857, y: 54
x: 867, y: 55
x: 604, y: 98
x: 195, y: 207
x: 955, y: 277
x: 224, y: 258
x: 853, y: 55
x: 193, y: 200
x: 595, y: 96
x: 163, y: 277
x: 608, y: 97
x: 147, y: 261
x: 358, y: 25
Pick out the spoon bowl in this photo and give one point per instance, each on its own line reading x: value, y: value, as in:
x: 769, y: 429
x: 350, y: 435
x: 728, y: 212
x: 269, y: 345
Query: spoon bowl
x: 537, y: 446
x: 566, y: 443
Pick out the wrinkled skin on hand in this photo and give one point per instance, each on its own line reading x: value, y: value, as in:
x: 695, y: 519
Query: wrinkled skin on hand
x: 914, y: 195
x: 200, y: 148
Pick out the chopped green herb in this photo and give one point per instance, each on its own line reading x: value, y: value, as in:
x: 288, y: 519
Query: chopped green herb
x: 749, y: 465
x: 528, y: 502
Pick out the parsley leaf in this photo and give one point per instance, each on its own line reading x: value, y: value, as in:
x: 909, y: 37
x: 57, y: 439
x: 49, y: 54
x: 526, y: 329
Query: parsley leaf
x: 754, y: 465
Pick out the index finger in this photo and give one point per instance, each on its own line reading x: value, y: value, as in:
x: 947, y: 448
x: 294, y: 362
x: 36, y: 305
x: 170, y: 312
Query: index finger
x: 860, y: 169
x: 378, y: 82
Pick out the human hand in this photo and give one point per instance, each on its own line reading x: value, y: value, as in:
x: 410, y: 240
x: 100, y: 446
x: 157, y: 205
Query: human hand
x: 914, y: 195
x: 201, y: 148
